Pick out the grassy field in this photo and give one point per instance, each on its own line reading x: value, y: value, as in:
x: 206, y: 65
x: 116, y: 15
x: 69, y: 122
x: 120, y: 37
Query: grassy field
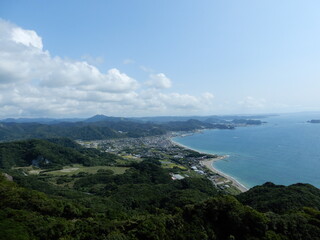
x: 233, y: 190
x: 30, y: 170
x: 168, y: 164
x: 76, y: 168
x: 127, y: 159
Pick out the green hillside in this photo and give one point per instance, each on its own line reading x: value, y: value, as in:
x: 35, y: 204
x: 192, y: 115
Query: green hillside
x: 139, y: 201
x: 281, y: 199
x: 49, y: 154
x: 137, y: 211
x: 97, y: 130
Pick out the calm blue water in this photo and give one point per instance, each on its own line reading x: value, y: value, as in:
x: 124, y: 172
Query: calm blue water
x: 286, y: 150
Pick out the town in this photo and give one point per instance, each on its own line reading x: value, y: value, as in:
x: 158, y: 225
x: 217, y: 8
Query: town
x: 182, y: 161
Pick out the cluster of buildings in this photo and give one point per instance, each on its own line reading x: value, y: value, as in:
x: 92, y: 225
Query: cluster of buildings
x: 161, y: 148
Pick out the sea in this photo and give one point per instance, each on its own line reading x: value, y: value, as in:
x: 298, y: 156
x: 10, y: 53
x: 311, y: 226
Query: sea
x: 284, y: 150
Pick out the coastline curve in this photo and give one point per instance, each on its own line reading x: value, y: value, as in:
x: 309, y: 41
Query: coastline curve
x: 209, y: 165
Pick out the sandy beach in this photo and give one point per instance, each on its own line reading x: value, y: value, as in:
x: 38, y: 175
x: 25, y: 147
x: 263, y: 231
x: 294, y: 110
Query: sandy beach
x: 235, y: 183
x: 183, y: 146
x: 208, y: 164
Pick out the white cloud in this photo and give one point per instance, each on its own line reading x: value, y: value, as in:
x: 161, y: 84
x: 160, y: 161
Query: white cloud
x: 159, y: 81
x: 26, y: 37
x: 252, y: 103
x: 34, y: 83
x: 22, y: 59
x: 208, y: 96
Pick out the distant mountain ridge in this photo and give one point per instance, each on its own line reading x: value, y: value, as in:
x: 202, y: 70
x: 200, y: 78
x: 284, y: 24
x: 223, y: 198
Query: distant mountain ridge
x: 100, y: 118
x: 94, y: 130
x: 101, y: 127
x: 41, y: 120
x: 159, y: 119
x: 210, y: 118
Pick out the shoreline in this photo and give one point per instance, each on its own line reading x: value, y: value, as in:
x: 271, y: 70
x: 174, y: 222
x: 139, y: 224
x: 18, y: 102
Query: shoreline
x: 209, y: 165
x: 184, y: 146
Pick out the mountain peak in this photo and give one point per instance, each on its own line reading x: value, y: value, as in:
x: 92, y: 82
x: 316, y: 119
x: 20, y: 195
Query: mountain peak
x: 101, y: 117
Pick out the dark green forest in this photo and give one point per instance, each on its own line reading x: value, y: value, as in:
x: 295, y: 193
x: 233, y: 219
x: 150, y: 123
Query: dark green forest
x: 50, y: 153
x: 141, y: 203
x: 97, y: 130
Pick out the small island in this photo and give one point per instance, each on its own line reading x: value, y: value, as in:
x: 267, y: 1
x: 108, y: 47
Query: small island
x: 314, y: 121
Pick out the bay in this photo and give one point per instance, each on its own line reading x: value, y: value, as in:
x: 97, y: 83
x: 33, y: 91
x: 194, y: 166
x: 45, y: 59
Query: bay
x: 285, y: 150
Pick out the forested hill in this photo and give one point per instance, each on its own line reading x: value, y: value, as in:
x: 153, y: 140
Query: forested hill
x: 140, y: 202
x: 80, y: 130
x: 144, y: 203
x: 281, y: 199
x: 95, y: 130
x: 50, y: 153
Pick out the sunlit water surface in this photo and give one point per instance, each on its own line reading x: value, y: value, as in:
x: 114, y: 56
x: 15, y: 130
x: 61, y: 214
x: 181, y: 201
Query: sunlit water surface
x: 285, y: 150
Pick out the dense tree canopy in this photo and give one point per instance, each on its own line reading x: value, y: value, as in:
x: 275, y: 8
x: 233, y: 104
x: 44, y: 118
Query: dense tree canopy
x: 50, y: 153
x: 281, y: 199
x: 96, y: 130
x: 141, y: 203
x: 29, y: 214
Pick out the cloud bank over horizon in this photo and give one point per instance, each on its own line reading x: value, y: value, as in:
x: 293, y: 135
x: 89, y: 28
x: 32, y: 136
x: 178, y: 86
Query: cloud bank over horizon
x: 35, y: 84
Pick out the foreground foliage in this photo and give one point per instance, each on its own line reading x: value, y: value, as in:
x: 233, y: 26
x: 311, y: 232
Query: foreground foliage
x: 142, y: 203
x: 29, y: 214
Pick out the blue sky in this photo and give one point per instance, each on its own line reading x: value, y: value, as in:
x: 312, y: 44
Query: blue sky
x: 143, y: 58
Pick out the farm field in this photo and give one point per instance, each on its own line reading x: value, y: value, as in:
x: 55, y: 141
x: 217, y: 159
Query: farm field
x: 77, y: 168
